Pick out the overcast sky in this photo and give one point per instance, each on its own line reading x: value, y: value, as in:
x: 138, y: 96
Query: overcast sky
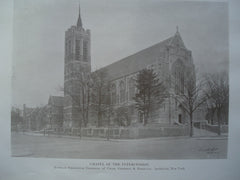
x: 119, y: 28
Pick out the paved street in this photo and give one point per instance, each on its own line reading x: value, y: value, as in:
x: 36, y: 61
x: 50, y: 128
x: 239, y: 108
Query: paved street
x: 96, y: 148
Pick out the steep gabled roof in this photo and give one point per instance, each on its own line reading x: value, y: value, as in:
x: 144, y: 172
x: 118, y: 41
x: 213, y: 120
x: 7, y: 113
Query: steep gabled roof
x: 142, y: 59
x: 137, y: 61
x: 177, y: 40
x: 56, y: 100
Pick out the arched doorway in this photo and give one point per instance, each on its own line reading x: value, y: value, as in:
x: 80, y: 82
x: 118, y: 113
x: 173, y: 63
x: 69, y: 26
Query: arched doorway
x: 181, y: 115
x: 180, y: 118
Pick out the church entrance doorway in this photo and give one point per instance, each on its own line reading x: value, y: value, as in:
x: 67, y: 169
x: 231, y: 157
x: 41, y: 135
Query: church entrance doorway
x: 180, y: 118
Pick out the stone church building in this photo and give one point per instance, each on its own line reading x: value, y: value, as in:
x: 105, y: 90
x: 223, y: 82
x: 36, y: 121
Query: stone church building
x: 170, y: 59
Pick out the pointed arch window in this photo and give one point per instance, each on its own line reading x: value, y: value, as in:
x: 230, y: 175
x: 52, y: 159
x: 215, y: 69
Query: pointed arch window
x: 131, y: 90
x: 85, y: 51
x: 77, y: 50
x: 178, y: 73
x: 122, y: 92
x: 113, y: 94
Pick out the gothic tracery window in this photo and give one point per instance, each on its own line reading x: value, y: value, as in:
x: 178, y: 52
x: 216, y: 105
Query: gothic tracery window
x: 178, y: 73
x: 131, y: 89
x: 122, y: 92
x: 113, y: 94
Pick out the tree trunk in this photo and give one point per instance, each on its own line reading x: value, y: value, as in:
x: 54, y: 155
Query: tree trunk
x: 87, y: 110
x: 219, y: 121
x: 80, y: 133
x: 108, y: 134
x: 212, y: 115
x: 191, y: 125
x: 99, y: 108
x: 99, y: 118
x: 146, y: 118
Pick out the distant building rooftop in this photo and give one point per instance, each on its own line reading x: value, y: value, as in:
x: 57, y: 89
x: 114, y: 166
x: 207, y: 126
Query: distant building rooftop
x: 56, y: 100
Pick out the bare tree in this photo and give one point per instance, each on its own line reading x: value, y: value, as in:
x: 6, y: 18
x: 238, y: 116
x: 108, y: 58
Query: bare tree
x: 109, y: 109
x: 86, y: 88
x: 210, y: 108
x: 16, y: 118
x: 218, y: 95
x: 192, y: 96
x: 122, y: 116
x: 80, y: 96
x: 99, y: 94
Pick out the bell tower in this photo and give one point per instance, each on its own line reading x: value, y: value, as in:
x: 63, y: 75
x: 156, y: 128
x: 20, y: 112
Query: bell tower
x: 77, y: 61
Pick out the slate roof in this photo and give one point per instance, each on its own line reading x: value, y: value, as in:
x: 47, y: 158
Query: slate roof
x: 139, y: 60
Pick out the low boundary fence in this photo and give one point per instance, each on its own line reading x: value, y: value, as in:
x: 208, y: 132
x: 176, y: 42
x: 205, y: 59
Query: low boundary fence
x: 123, y: 133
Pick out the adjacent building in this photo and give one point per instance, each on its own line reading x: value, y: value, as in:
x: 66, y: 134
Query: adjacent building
x: 55, y: 112
x: 35, y: 119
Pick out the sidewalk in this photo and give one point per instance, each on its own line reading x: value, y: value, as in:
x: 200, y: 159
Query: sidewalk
x: 204, y: 134
x: 197, y: 135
